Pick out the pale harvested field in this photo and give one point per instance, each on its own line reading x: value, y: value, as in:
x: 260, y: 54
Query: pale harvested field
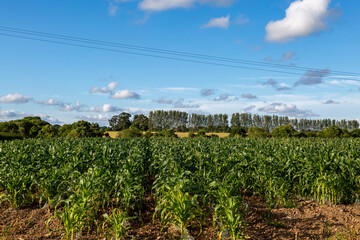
x: 113, y: 134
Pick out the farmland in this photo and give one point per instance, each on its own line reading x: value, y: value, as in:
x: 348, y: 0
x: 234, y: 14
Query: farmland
x: 175, y: 188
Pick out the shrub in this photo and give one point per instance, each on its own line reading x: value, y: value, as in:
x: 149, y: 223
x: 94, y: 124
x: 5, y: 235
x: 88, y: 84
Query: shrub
x: 129, y: 133
x: 331, y: 132
x: 237, y: 132
x: 256, y: 132
x: 284, y: 131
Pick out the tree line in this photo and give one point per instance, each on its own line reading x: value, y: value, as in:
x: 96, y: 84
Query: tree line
x: 183, y: 122
x: 165, y: 123
x: 35, y: 127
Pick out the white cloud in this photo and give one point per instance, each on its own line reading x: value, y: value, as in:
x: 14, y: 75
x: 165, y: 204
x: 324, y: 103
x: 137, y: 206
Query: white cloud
x: 69, y: 107
x: 51, y: 102
x: 14, y: 98
x: 125, y: 94
x: 101, y: 118
x: 345, y: 82
x: 49, y: 119
x: 105, y: 108
x: 221, y: 22
x: 290, y: 110
x: 108, y: 89
x: 303, y: 17
x: 12, y: 114
x: 160, y: 5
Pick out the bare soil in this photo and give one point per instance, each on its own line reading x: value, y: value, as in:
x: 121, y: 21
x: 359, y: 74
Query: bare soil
x: 308, y: 220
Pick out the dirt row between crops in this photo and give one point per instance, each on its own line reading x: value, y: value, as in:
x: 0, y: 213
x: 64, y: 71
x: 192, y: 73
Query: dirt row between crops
x: 308, y: 220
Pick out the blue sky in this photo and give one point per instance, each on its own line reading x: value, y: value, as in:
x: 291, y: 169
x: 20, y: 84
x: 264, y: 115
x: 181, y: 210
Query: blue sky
x: 63, y: 83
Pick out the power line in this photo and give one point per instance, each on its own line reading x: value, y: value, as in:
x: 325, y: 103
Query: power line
x: 168, y: 54
x: 162, y: 51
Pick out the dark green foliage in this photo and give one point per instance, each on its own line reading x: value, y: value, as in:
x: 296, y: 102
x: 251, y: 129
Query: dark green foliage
x: 48, y: 131
x: 237, y: 132
x: 192, y: 135
x: 131, y: 132
x: 80, y: 129
x: 169, y: 133
x: 141, y: 122
x: 120, y: 122
x: 284, y: 131
x: 307, y: 133
x: 256, y: 132
x: 355, y: 133
x: 10, y: 136
x: 201, y: 133
x: 331, y: 132
x: 9, y: 127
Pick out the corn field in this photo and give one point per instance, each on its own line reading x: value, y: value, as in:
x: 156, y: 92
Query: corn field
x: 79, y: 178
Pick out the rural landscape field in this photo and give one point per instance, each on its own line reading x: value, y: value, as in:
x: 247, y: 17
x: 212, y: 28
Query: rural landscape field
x: 179, y: 120
x: 166, y: 188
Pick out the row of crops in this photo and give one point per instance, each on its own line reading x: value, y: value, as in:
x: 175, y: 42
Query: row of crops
x: 187, y: 178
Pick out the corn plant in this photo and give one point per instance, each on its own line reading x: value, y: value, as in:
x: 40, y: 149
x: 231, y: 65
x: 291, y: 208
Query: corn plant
x: 229, y: 206
x: 178, y: 208
x: 116, y: 223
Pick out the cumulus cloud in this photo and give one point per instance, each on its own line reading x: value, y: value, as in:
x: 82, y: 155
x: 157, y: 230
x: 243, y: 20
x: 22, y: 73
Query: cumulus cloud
x: 12, y: 114
x: 108, y: 89
x: 344, y: 83
x: 69, y: 107
x: 49, y: 119
x: 125, y: 94
x: 50, y: 102
x: 330, y: 101
x: 248, y: 96
x: 14, y: 98
x: 105, y: 108
x: 101, y: 118
x: 276, y: 85
x: 165, y: 101
x: 290, y: 110
x: 312, y: 77
x: 180, y: 103
x: 221, y: 22
x: 207, y: 92
x: 161, y: 5
x: 303, y: 17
